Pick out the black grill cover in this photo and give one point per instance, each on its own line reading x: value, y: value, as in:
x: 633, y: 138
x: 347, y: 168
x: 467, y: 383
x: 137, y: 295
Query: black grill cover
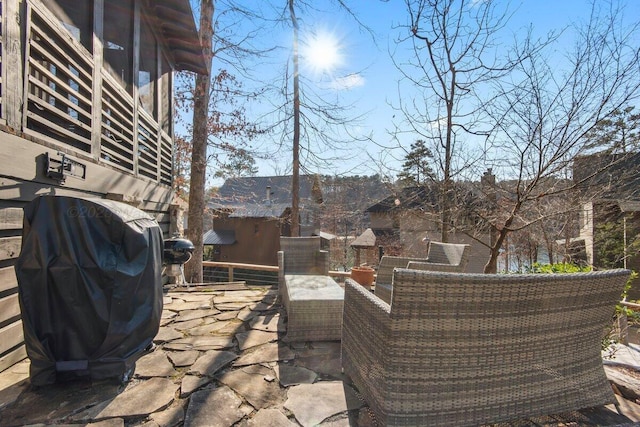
x: 90, y: 290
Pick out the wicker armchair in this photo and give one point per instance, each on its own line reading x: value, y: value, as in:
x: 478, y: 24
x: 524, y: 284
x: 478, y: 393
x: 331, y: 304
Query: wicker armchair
x: 301, y: 255
x: 313, y: 300
x: 448, y: 256
x: 456, y: 349
x: 441, y: 257
x: 384, y: 276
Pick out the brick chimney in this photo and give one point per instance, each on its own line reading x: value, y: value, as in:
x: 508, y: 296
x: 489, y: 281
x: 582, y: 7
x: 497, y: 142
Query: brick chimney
x: 268, y: 199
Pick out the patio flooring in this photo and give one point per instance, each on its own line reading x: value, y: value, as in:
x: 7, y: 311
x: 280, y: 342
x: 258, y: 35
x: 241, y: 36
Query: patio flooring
x: 220, y: 360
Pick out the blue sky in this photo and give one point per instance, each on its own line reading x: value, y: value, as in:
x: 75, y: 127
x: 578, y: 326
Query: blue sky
x: 366, y: 80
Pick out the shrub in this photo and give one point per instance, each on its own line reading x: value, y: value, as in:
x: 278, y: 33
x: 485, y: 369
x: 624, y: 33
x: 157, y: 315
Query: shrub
x: 559, y: 268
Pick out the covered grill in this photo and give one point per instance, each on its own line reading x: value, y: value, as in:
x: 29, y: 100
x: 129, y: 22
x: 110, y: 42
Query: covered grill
x: 177, y: 250
x: 90, y: 289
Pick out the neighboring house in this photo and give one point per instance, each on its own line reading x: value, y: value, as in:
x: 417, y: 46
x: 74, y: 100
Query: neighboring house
x: 611, y: 196
x: 403, y: 224
x: 345, y: 200
x: 86, y: 109
x: 251, y: 213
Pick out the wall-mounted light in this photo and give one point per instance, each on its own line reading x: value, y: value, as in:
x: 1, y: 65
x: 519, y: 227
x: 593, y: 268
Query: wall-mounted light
x: 59, y: 168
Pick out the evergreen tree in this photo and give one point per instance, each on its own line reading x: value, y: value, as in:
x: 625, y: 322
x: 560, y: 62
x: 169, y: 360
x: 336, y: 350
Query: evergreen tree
x: 416, y: 169
x: 618, y: 133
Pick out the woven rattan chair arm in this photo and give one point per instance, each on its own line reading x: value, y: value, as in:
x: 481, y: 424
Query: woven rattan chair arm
x: 371, y: 302
x: 434, y: 266
x: 366, y: 318
x: 323, y: 262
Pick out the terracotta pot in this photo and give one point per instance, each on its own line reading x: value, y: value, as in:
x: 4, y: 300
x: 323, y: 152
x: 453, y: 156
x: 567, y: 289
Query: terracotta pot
x: 363, y: 275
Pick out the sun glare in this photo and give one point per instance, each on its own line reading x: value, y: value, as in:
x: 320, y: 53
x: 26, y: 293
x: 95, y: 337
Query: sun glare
x: 322, y: 53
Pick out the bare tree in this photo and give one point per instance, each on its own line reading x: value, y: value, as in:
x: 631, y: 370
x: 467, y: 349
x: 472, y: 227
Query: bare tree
x: 454, y: 57
x: 302, y: 120
x: 199, y: 147
x: 540, y: 224
x: 529, y: 116
x: 545, y: 114
x: 295, y: 177
x: 229, y: 130
x: 219, y: 129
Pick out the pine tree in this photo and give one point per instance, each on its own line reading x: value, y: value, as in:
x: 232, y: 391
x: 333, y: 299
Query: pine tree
x: 416, y: 169
x: 618, y: 133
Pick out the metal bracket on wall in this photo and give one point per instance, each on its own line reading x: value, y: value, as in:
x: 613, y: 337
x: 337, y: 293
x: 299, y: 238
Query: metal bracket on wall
x: 59, y: 168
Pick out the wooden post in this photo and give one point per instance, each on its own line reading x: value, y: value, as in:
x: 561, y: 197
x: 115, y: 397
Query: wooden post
x: 623, y: 329
x: 13, y: 63
x: 96, y: 116
x: 136, y: 70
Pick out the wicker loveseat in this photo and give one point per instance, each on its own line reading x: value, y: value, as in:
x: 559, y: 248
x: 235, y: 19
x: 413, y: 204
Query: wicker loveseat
x: 441, y: 257
x: 456, y: 349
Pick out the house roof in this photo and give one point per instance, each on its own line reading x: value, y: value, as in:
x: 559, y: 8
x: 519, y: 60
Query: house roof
x: 178, y: 28
x: 407, y: 198
x: 242, y: 191
x: 326, y: 236
x: 276, y: 210
x: 629, y: 205
x: 219, y: 237
x: 375, y: 237
x: 366, y: 240
x: 609, y: 176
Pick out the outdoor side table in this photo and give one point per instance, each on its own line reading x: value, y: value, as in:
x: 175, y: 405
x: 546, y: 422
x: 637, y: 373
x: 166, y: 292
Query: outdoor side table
x: 314, y: 307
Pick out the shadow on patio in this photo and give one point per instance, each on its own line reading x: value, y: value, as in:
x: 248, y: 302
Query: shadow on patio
x: 221, y: 359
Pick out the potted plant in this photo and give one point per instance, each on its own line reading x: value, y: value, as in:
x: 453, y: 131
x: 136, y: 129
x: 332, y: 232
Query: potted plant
x: 363, y: 274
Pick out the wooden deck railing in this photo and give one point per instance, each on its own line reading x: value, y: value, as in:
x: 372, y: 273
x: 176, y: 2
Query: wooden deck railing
x: 231, y: 266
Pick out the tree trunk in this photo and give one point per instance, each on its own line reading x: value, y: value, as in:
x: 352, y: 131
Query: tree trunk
x: 445, y: 214
x: 491, y: 267
x: 446, y: 183
x: 193, y: 269
x: 295, y: 178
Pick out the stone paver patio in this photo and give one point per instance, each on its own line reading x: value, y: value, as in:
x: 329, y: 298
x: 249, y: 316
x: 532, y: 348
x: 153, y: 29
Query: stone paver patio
x: 220, y: 360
